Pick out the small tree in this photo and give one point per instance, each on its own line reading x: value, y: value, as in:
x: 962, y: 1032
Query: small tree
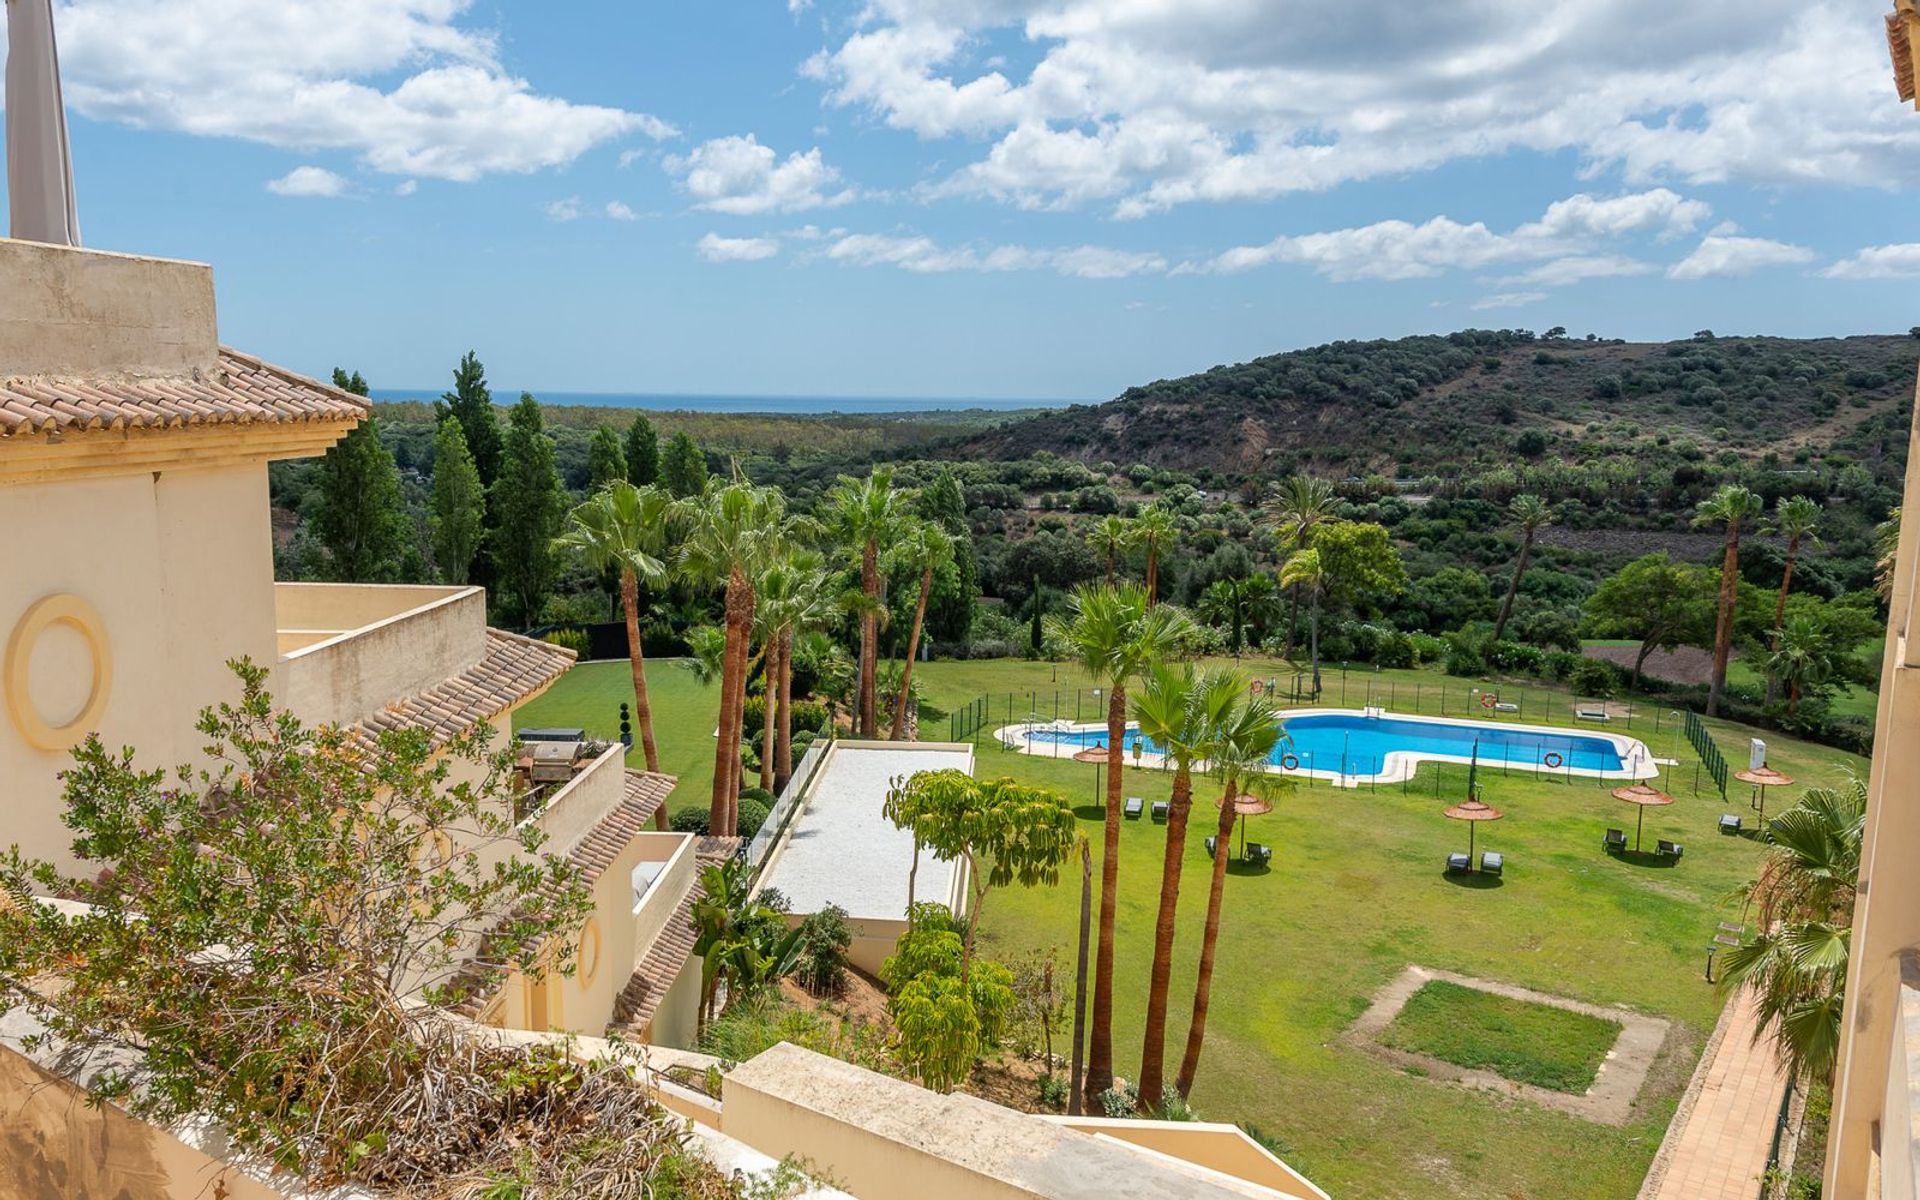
x: 683, y: 469
x: 361, y: 516
x: 642, y: 449
x: 527, y: 506
x: 742, y: 939
x: 471, y: 403
x: 457, y: 505
x: 606, y: 459
x: 941, y: 1017
x: 824, y: 939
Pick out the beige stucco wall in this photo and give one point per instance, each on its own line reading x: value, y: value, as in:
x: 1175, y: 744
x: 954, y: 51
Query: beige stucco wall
x: 376, y: 644
x: 179, y: 567
x: 1214, y: 1145
x: 77, y: 312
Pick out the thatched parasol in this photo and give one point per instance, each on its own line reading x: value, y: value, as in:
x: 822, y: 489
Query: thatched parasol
x: 1642, y: 796
x: 1472, y: 810
x: 1098, y: 756
x: 1245, y: 805
x: 1763, y: 777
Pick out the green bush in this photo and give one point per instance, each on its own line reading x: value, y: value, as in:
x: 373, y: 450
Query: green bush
x: 690, y: 820
x: 1053, y: 1091
x: 824, y: 938
x: 752, y: 815
x: 569, y: 639
x: 1592, y: 677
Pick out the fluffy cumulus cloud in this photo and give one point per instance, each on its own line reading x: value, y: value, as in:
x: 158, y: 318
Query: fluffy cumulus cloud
x: 1721, y: 255
x: 715, y: 248
x: 1898, y: 261
x: 308, y: 181
x: 1146, y: 104
x: 924, y: 255
x: 739, y: 175
x: 408, y: 86
x: 1559, y: 241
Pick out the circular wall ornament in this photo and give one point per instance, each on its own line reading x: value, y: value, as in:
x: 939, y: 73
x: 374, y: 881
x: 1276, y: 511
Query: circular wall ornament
x: 77, y: 614
x: 586, y: 963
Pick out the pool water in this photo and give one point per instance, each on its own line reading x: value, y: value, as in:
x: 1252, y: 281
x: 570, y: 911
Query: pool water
x: 1356, y: 745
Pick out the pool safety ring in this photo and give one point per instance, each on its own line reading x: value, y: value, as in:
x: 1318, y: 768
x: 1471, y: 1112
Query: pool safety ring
x: 1490, y: 699
x: 1290, y: 762
x: 1552, y: 758
x: 1257, y: 686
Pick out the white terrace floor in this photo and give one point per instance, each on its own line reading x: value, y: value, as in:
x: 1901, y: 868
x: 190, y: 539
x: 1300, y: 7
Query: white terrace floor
x: 841, y: 850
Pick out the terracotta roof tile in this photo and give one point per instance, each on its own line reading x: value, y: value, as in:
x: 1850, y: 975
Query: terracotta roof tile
x: 242, y: 390
x: 512, y: 669
x: 1900, y: 46
x: 634, y: 1007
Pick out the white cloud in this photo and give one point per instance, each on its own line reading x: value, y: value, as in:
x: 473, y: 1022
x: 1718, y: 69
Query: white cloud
x: 1723, y: 255
x: 1145, y: 104
x: 739, y: 175
x: 1508, y: 300
x: 1574, y: 268
x: 402, y: 84
x: 715, y: 248
x: 923, y: 255
x: 620, y: 212
x: 1898, y: 261
x: 1402, y: 250
x: 407, y: 187
x: 308, y: 181
x: 563, y: 210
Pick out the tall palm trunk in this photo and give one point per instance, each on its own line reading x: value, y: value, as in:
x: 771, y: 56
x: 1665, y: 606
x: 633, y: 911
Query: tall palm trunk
x: 738, y: 736
x: 1112, y: 562
x: 783, y: 746
x: 1313, y: 636
x: 1209, y: 939
x: 1154, y: 1043
x: 636, y: 658
x: 1513, y: 587
x: 726, y: 752
x: 1074, y: 1092
x: 869, y: 639
x: 913, y: 648
x: 1780, y: 613
x: 1293, y: 621
x: 1723, y: 625
x: 769, y: 724
x: 1100, y: 1049
x: 1153, y: 575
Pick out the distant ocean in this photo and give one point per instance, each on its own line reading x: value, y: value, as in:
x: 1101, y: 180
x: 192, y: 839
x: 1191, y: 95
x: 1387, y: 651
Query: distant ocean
x: 668, y: 402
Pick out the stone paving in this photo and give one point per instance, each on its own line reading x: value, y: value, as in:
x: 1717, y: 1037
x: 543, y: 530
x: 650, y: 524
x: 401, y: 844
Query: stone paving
x: 1716, y: 1148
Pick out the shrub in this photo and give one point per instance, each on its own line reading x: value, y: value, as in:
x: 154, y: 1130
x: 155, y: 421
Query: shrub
x: 569, y: 639
x: 802, y: 738
x: 808, y: 716
x: 1592, y: 677
x: 1562, y: 663
x: 824, y: 938
x: 753, y: 814
x: 1512, y: 658
x: 690, y: 820
x: 1053, y: 1091
x: 1117, y: 1103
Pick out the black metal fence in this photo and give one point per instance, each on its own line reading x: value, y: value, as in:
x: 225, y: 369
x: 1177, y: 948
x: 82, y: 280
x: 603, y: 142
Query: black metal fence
x: 1711, y: 759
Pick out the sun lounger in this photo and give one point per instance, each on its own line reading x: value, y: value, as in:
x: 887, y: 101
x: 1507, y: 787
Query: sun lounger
x: 1670, y: 849
x: 1616, y: 839
x: 1491, y: 862
x: 1592, y: 714
x: 1213, y: 845
x: 1458, y: 864
x: 1729, y: 823
x: 1506, y: 706
x: 1134, y: 807
x: 1259, y: 855
x: 1160, y: 810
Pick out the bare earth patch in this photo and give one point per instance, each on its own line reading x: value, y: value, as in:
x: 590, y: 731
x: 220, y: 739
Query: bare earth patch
x: 1688, y: 664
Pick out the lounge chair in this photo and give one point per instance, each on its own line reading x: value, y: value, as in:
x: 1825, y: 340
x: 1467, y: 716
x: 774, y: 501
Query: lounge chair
x: 1160, y: 810
x: 1491, y: 863
x: 1259, y: 855
x: 1458, y: 864
x: 1506, y: 706
x: 1592, y: 714
x: 1729, y: 823
x: 1670, y: 849
x: 1616, y: 840
x: 1134, y: 807
x: 1213, y: 845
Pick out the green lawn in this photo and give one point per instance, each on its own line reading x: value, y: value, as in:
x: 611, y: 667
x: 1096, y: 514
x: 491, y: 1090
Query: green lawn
x: 1356, y: 892
x: 1516, y: 1039
x: 685, y: 712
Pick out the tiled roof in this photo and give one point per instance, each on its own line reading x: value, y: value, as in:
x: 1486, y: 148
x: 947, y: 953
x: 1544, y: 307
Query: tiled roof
x: 242, y: 390
x: 645, y: 793
x: 634, y: 1007
x: 1900, y: 45
x: 512, y: 669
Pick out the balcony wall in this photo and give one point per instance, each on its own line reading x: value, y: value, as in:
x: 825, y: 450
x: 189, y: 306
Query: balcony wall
x: 348, y: 650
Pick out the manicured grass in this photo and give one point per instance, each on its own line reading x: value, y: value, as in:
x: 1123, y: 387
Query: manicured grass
x: 1515, y: 1039
x: 1356, y: 892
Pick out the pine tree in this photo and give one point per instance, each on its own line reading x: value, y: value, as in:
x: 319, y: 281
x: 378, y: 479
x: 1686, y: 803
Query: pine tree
x: 458, y: 503
x: 643, y: 452
x: 606, y: 461
x: 361, y: 514
x: 527, y: 504
x: 683, y: 469
x: 472, y: 405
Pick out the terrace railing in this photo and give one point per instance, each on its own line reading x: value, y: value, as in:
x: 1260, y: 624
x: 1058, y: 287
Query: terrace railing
x: 787, y: 801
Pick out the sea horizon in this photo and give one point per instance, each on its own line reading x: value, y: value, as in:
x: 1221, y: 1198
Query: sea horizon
x: 780, y: 405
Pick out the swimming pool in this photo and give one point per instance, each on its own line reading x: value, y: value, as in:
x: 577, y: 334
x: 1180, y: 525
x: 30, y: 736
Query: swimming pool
x: 1362, y: 747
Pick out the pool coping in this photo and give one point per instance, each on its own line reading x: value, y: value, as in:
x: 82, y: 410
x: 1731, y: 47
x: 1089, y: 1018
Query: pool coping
x: 1637, y: 758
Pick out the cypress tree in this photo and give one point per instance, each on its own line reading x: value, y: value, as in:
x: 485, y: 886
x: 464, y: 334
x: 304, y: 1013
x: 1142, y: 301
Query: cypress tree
x: 471, y: 404
x: 527, y: 504
x: 643, y: 452
x: 361, y: 514
x: 683, y: 469
x: 458, y: 504
x: 606, y: 461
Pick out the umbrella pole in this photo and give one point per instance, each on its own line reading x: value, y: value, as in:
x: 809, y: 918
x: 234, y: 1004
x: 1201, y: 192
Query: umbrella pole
x: 1470, y: 833
x: 1639, y: 820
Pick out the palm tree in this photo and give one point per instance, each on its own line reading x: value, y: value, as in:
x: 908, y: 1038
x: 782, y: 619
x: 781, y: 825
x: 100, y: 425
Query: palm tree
x: 1529, y: 515
x: 735, y: 529
x: 623, y: 528
x: 1802, y: 658
x: 865, y: 514
x: 928, y: 547
x: 1112, y: 536
x: 1242, y: 743
x: 1113, y: 634
x: 1796, y: 961
x: 1225, y: 603
x: 1731, y: 508
x: 1180, y: 709
x: 1154, y: 530
x: 1794, y: 519
x: 802, y: 592
x: 1304, y: 571
x: 1302, y: 506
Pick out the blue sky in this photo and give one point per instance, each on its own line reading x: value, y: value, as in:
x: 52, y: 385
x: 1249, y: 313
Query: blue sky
x: 993, y: 198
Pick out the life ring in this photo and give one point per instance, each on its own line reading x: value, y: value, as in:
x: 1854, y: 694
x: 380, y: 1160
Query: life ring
x: 1257, y: 687
x: 1552, y: 758
x: 1489, y: 699
x: 1290, y: 762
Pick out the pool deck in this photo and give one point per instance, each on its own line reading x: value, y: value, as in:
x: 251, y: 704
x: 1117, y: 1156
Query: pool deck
x: 841, y: 850
x: 1638, y: 762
